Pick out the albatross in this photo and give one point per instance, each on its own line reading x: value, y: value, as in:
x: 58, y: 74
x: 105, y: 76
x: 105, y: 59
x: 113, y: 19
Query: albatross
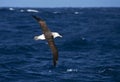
x: 49, y: 36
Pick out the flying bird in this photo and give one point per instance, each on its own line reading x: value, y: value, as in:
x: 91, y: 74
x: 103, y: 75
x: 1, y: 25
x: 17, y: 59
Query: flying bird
x: 49, y: 36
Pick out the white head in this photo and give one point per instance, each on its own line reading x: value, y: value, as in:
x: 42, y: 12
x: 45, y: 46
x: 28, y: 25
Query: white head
x: 55, y: 34
x: 40, y: 37
x: 36, y: 37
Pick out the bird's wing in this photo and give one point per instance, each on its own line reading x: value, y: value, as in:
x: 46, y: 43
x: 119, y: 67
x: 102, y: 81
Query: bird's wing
x: 42, y: 24
x: 53, y: 49
x: 49, y: 38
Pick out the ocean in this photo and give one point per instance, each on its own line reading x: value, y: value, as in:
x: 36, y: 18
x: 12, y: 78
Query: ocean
x: 89, y: 50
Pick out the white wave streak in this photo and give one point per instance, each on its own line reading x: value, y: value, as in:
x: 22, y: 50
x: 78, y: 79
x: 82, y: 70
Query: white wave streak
x: 72, y: 70
x: 56, y: 12
x: 32, y: 10
x: 11, y: 9
x: 76, y: 12
x: 21, y: 10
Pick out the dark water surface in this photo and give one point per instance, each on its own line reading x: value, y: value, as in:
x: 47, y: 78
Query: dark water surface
x: 88, y: 52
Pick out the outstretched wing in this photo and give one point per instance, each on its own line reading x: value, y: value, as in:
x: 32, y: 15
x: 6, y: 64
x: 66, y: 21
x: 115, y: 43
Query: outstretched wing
x: 53, y: 49
x: 42, y: 24
x: 49, y: 38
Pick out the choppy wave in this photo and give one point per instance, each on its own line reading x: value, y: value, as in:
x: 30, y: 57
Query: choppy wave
x: 20, y: 10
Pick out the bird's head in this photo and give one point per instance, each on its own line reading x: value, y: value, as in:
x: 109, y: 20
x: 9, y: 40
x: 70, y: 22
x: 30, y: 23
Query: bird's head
x: 36, y: 38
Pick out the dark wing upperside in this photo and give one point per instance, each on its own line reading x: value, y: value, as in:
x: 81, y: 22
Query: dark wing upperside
x: 42, y: 24
x: 53, y: 49
x: 49, y: 38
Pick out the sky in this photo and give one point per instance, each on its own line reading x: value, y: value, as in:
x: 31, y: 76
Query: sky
x: 59, y: 3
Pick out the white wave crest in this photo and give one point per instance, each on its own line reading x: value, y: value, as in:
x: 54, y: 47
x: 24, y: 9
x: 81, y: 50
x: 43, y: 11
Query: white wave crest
x: 32, y: 10
x: 56, y: 12
x: 21, y: 10
x: 76, y: 12
x: 72, y: 70
x: 11, y: 9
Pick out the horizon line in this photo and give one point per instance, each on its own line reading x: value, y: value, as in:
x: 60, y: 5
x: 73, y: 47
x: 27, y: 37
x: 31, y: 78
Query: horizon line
x: 65, y: 7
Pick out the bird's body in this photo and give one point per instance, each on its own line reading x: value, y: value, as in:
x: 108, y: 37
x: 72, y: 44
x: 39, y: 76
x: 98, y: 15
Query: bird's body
x: 42, y: 36
x: 49, y: 36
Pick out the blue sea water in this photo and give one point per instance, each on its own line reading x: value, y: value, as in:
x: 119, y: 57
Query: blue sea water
x: 89, y: 50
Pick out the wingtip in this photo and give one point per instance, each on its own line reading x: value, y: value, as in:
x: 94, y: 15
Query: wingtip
x: 55, y: 63
x: 33, y: 16
x: 37, y: 18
